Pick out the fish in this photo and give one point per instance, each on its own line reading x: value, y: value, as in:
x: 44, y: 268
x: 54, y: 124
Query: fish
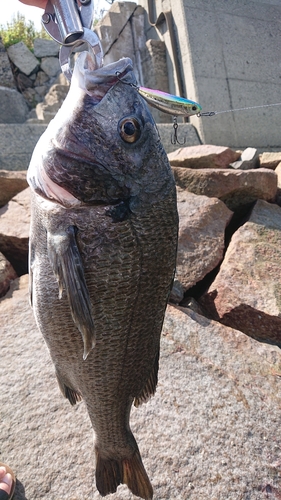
x: 103, y: 244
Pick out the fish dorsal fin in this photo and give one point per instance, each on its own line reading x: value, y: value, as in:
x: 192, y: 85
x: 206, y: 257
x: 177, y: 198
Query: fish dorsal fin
x: 68, y: 268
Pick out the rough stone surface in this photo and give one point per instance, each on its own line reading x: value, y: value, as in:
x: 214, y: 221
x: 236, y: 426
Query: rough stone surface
x: 203, y: 156
x: 11, y: 184
x: 246, y: 293
x: 7, y: 275
x: 249, y: 160
x: 53, y: 100
x: 50, y: 66
x: 211, y: 431
x: 202, y: 223
x: 270, y: 160
x: 45, y: 48
x: 278, y: 173
x: 6, y: 74
x: 113, y: 23
x: 17, y: 142
x: 23, y: 58
x: 234, y: 187
x: 13, y: 107
x: 14, y: 230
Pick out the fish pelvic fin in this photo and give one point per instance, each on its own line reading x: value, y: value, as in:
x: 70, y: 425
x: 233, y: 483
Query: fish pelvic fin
x: 68, y: 392
x: 130, y: 471
x: 69, y: 270
x: 150, y: 386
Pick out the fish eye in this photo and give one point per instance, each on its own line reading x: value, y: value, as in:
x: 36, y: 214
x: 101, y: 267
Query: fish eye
x: 194, y: 108
x: 129, y: 129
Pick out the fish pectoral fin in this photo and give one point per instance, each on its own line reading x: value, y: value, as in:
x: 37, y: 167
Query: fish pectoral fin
x: 68, y: 392
x: 68, y: 268
x: 150, y: 385
x: 130, y: 471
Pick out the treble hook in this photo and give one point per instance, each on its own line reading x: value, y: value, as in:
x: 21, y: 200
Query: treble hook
x: 174, y: 136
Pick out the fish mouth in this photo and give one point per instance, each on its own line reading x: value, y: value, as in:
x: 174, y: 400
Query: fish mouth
x: 97, y: 83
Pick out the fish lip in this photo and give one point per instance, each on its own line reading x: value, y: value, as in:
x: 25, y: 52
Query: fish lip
x: 98, y: 82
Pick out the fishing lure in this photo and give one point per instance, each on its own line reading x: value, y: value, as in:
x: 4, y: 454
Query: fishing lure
x: 171, y: 104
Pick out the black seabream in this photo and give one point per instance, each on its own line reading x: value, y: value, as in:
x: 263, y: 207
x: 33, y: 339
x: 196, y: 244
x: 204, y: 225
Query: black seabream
x: 102, y: 257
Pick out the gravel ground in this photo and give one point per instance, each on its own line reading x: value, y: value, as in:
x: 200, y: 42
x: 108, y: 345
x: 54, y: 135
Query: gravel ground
x: 211, y: 432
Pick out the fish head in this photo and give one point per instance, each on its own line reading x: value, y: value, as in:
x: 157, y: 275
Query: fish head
x: 103, y: 146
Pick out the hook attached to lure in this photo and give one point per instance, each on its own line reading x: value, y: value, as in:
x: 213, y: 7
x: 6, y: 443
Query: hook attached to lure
x: 174, y: 136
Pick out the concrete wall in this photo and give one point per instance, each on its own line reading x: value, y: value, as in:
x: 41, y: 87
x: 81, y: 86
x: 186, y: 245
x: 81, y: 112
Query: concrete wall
x: 229, y: 54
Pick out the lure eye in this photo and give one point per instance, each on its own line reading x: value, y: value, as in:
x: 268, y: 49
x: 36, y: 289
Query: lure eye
x: 194, y: 108
x: 129, y: 130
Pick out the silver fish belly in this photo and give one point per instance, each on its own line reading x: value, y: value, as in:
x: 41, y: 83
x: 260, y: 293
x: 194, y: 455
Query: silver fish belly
x: 102, y: 257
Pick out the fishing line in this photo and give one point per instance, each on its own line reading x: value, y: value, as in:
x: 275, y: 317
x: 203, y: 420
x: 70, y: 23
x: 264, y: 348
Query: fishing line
x: 213, y: 113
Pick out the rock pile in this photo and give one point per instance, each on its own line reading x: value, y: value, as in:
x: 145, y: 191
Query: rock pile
x: 26, y: 79
x: 229, y: 258
x: 225, y: 385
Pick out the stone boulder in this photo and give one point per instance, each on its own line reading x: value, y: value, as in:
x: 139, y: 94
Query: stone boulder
x: 203, y: 156
x: 202, y: 223
x: 14, y: 231
x: 7, y: 275
x: 234, y: 187
x: 270, y: 160
x: 210, y: 432
x: 11, y: 183
x: 6, y: 74
x: 246, y: 293
x: 47, y: 109
x: 17, y: 142
x: 45, y: 48
x: 249, y: 160
x: 50, y: 66
x: 13, y: 107
x: 23, y: 58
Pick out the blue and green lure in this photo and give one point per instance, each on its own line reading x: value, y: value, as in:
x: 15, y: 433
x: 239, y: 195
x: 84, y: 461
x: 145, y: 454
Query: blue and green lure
x: 168, y: 103
x: 172, y: 104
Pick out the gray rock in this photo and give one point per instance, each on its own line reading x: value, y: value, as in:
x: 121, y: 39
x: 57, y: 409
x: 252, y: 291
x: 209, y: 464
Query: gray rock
x: 50, y: 66
x: 11, y: 184
x: 23, y: 58
x: 24, y: 82
x: 13, y: 107
x: 6, y: 74
x: 246, y: 293
x: 177, y: 292
x: 211, y: 431
x: 202, y: 223
x: 45, y: 48
x: 14, y: 230
x: 41, y: 78
x: 249, y: 160
x: 52, y: 102
x: 17, y: 143
x: 32, y: 97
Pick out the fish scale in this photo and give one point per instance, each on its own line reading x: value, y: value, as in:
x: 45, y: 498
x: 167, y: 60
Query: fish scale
x: 102, y: 259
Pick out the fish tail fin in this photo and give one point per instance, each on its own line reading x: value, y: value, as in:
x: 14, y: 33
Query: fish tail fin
x: 111, y: 472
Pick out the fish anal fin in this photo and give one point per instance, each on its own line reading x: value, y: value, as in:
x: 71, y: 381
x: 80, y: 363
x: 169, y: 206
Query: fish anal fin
x: 68, y: 268
x: 68, y: 392
x: 150, y: 386
x: 111, y: 472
